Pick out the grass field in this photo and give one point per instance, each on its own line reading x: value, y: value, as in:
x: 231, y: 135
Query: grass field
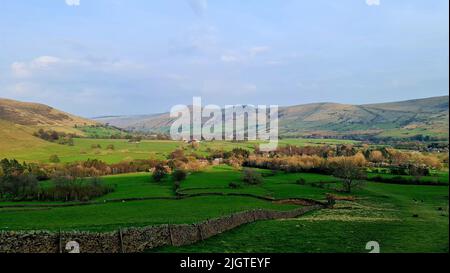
x: 40, y: 150
x: 442, y: 177
x: 382, y: 212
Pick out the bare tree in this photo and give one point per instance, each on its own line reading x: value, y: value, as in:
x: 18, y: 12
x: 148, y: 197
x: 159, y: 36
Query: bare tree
x: 350, y: 172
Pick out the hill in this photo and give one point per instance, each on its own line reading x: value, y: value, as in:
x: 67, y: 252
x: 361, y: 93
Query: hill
x: 35, y: 114
x: 19, y: 120
x: 405, y: 119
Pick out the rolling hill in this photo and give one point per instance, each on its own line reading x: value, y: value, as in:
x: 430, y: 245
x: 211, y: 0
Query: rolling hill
x: 35, y: 114
x: 405, y: 119
x: 19, y: 120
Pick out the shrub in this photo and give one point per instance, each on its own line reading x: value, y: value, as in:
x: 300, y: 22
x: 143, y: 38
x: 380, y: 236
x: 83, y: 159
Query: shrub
x: 56, y: 137
x: 96, y: 146
x: 252, y: 177
x: 160, y: 172
x: 110, y: 147
x: 54, y: 159
x: 233, y: 185
x: 18, y: 186
x: 301, y: 181
x: 67, y: 188
x: 239, y: 152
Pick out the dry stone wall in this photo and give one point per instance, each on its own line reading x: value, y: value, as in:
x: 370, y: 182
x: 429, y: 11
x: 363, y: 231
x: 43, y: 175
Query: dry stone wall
x: 132, y: 240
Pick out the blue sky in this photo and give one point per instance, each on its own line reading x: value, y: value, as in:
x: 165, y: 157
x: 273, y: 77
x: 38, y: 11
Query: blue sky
x: 102, y: 57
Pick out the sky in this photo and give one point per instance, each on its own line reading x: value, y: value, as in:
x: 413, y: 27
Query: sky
x: 124, y: 57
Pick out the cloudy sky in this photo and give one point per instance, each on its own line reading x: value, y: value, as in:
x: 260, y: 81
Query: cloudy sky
x: 102, y: 57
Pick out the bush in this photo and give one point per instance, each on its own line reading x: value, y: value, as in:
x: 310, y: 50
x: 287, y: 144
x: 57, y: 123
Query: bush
x: 96, y: 146
x: 110, y: 147
x: 18, y: 186
x: 160, y: 172
x: 68, y: 188
x: 54, y: 159
x: 301, y: 181
x: 25, y: 187
x: 252, y: 177
x: 56, y: 137
x: 234, y: 185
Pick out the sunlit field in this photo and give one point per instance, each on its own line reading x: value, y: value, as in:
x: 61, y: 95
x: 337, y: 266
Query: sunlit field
x: 403, y: 218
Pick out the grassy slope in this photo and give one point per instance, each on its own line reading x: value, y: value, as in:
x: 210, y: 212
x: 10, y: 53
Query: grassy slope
x: 383, y: 214
x: 34, y: 114
x: 19, y: 120
x: 110, y: 216
x: 427, y: 116
x: 18, y: 139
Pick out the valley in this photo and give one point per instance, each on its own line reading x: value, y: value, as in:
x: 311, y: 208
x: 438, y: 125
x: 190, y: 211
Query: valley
x: 139, y: 178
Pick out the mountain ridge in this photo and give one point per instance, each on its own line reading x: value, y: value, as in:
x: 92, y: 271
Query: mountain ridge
x: 425, y: 116
x: 401, y: 119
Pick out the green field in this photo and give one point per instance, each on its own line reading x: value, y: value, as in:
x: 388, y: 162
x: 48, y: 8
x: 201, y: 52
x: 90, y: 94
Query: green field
x: 442, y: 177
x: 124, y: 150
x: 382, y: 212
x: 101, y: 131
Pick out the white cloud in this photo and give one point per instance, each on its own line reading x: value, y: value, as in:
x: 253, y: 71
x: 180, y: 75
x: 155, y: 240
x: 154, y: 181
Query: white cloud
x: 26, y: 69
x: 73, y: 2
x: 53, y: 66
x: 373, y: 2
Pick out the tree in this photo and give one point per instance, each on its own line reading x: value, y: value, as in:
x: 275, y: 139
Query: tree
x: 376, y: 156
x: 239, y: 152
x: 252, y: 177
x: 160, y: 172
x: 179, y: 175
x: 350, y: 172
x: 178, y: 155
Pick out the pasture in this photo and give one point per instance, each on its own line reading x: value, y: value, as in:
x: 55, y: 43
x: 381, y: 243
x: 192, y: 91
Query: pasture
x: 403, y: 218
x: 83, y: 149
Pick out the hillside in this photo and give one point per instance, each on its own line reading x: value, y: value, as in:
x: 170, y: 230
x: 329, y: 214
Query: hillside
x: 35, y: 114
x: 19, y: 120
x: 427, y: 117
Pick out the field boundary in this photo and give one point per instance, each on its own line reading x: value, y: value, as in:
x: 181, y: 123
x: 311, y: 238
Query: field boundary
x: 135, y: 240
x: 180, y: 196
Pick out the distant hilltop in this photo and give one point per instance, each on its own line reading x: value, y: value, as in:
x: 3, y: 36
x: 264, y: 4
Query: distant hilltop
x: 421, y: 119
x: 427, y: 118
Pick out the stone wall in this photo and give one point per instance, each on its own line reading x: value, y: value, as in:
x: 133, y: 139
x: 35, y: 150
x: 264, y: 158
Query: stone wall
x: 132, y: 240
